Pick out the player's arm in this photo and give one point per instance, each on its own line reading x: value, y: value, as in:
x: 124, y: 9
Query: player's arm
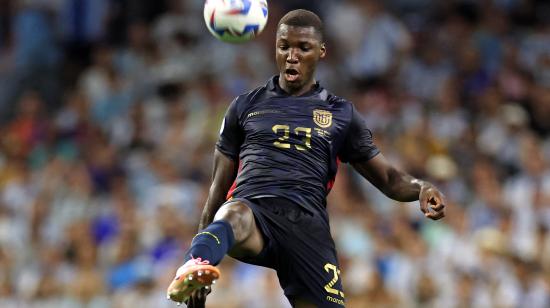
x: 226, y: 158
x: 359, y: 150
x: 223, y: 176
x: 401, y: 186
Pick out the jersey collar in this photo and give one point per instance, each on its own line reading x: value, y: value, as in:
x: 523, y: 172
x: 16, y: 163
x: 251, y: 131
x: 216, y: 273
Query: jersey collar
x: 273, y: 86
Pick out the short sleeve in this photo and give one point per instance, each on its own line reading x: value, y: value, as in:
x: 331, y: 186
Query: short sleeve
x: 231, y: 133
x: 358, y: 144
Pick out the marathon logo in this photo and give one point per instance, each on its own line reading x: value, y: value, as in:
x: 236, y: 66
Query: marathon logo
x: 335, y: 300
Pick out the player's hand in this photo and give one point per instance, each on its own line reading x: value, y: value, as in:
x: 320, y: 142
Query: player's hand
x: 432, y: 202
x: 198, y: 298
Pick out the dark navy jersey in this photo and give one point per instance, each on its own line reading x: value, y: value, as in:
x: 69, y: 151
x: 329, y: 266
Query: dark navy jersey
x: 289, y: 146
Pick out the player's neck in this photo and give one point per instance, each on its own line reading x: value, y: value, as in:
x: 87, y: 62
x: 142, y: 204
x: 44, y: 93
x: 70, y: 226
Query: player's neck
x: 296, y: 91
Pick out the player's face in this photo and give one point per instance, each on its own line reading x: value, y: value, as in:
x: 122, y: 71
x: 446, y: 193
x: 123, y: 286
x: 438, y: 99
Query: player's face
x: 297, y: 50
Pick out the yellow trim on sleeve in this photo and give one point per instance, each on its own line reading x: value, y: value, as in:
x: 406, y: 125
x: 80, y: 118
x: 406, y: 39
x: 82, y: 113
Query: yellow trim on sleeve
x: 208, y: 233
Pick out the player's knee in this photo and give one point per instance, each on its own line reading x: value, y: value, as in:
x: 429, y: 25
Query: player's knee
x: 239, y: 216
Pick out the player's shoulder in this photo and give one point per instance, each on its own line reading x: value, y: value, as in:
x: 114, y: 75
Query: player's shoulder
x: 335, y: 99
x: 339, y: 102
x: 248, y: 98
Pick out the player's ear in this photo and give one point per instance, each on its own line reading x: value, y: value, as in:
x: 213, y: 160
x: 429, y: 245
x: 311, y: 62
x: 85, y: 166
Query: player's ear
x: 323, y: 50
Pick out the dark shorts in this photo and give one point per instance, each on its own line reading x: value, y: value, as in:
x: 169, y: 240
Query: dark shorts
x: 298, y: 245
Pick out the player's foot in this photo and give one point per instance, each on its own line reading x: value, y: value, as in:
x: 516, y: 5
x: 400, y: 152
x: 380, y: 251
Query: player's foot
x: 195, y: 274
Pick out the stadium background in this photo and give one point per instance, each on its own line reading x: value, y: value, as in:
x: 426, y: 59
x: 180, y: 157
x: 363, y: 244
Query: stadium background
x: 110, y: 109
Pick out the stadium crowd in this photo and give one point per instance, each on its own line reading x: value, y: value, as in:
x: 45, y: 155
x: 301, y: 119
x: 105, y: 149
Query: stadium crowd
x: 110, y: 110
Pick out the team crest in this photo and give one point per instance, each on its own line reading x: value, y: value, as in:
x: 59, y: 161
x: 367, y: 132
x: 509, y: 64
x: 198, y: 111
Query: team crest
x: 322, y: 118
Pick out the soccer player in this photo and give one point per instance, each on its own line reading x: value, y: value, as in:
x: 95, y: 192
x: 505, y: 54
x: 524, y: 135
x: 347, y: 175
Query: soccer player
x: 274, y: 164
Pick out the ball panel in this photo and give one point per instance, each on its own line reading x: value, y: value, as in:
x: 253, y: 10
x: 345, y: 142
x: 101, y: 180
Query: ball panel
x: 235, y: 21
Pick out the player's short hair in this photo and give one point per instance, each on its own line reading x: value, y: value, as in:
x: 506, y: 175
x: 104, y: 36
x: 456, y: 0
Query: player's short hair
x: 303, y: 18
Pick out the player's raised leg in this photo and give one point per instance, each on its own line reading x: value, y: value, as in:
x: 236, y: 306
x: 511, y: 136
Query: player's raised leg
x: 234, y: 229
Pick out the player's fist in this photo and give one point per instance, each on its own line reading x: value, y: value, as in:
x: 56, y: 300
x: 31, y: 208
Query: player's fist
x: 432, y: 202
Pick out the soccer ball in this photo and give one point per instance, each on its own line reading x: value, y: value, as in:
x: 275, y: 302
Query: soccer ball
x: 235, y: 21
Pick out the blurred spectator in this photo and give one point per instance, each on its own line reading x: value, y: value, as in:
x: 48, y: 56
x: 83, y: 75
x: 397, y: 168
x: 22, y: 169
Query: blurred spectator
x: 382, y: 45
x: 110, y: 111
x: 33, y: 57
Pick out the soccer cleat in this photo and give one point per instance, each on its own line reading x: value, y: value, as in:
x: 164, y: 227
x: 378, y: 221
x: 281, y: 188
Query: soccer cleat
x: 194, y: 275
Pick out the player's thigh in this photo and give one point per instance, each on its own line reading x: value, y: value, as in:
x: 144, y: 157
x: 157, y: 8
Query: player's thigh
x: 248, y: 238
x: 311, y: 275
x: 302, y: 303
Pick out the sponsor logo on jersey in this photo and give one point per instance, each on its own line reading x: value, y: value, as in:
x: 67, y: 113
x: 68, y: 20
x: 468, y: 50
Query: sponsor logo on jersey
x: 322, y: 118
x: 262, y: 112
